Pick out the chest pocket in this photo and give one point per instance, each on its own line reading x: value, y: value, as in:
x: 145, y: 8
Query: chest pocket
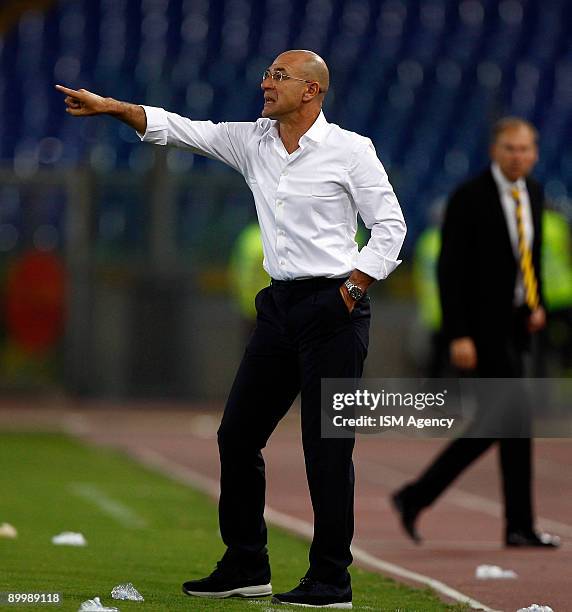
x: 327, y: 189
x: 330, y: 202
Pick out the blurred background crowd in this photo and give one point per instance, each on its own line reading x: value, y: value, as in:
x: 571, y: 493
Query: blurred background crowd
x: 119, y: 261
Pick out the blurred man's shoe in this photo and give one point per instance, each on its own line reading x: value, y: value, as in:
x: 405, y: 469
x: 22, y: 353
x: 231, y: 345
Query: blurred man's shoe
x: 229, y: 580
x: 408, y: 513
x: 315, y: 594
x: 531, y: 539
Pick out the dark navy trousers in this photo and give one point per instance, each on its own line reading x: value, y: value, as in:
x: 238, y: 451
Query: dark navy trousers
x: 303, y: 333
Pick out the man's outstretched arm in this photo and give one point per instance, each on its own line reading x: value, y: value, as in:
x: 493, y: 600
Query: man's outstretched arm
x: 84, y: 103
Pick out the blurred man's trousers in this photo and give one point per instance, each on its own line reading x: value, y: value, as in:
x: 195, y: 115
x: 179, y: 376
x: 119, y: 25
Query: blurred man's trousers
x: 304, y: 333
x: 500, y: 356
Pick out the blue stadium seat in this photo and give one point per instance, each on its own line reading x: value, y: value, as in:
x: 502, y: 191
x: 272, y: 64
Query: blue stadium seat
x: 422, y: 78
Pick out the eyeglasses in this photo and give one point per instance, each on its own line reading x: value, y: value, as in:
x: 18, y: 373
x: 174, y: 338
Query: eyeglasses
x: 277, y: 75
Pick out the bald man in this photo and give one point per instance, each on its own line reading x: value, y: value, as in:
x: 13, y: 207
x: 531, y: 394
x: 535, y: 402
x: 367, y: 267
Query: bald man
x: 309, y: 179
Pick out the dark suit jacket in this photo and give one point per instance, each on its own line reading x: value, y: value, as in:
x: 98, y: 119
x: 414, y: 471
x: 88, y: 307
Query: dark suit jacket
x: 477, y: 267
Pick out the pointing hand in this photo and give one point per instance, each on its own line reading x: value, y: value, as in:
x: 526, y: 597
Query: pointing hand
x: 83, y: 103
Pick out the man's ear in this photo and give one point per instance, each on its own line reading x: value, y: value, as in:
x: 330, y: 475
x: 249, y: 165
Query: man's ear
x: 311, y: 92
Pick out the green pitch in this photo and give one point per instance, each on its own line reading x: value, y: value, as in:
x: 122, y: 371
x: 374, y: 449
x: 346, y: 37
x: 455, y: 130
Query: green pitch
x: 140, y: 527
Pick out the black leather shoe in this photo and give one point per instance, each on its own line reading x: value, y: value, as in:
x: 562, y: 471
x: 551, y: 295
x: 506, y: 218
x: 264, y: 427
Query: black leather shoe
x: 408, y: 514
x: 231, y: 581
x: 532, y: 539
x: 313, y: 593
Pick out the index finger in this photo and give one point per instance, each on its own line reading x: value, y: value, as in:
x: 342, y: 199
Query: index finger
x: 69, y: 92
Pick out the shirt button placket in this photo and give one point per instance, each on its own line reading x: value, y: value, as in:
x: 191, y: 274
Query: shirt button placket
x: 279, y: 232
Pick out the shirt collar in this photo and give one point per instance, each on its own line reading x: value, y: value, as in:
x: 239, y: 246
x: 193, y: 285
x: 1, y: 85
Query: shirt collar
x: 318, y: 129
x: 273, y: 131
x: 504, y: 184
x: 316, y: 132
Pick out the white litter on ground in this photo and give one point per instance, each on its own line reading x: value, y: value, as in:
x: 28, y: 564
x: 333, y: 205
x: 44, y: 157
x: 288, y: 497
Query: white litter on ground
x: 493, y: 572
x: 536, y: 608
x: 126, y: 591
x: 8, y: 531
x: 69, y: 538
x: 95, y: 605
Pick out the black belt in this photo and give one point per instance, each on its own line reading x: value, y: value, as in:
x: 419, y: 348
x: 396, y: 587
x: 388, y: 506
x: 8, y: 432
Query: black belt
x: 307, y: 283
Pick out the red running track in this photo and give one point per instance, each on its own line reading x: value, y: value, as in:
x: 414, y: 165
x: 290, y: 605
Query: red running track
x: 462, y: 530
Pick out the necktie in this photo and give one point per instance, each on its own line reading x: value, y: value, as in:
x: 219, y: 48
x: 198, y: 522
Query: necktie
x: 526, y: 267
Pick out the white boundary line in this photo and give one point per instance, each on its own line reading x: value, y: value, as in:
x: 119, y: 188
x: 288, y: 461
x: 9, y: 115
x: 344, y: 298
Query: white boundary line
x: 300, y: 527
x: 116, y: 509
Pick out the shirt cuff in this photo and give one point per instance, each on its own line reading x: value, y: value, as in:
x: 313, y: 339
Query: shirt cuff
x: 157, y: 126
x: 374, y: 265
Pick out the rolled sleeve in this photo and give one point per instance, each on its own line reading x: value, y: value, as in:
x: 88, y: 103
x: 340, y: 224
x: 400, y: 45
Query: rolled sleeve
x: 375, y: 265
x: 377, y: 205
x: 157, y: 131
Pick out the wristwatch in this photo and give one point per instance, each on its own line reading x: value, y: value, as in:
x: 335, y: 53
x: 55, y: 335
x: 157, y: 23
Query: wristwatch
x: 355, y: 292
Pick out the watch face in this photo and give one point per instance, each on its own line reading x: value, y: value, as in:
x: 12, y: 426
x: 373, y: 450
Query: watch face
x: 356, y: 293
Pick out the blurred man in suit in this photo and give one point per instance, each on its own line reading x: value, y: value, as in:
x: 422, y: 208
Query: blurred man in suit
x: 490, y: 294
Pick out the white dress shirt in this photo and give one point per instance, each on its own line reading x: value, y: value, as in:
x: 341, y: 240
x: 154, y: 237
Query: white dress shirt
x: 307, y: 201
x: 505, y: 188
